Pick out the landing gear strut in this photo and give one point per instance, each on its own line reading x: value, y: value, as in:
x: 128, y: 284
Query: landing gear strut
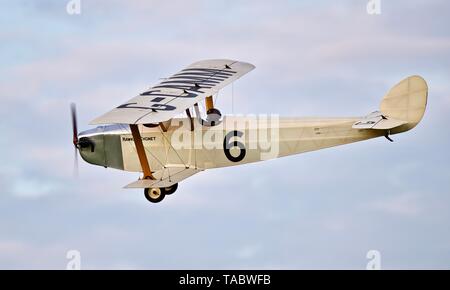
x: 156, y: 194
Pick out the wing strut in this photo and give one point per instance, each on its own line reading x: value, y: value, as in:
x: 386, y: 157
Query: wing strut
x: 141, y: 152
x: 209, y: 104
x: 188, y: 113
x: 161, y: 124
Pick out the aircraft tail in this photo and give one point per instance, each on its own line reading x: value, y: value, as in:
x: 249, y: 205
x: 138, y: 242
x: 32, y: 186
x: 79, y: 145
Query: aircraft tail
x: 401, y: 109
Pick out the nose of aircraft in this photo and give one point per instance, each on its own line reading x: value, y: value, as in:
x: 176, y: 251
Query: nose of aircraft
x: 92, y: 148
x: 90, y: 143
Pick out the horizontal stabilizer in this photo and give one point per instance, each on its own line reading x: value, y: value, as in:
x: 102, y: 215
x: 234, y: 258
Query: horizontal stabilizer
x: 165, y: 177
x: 377, y: 121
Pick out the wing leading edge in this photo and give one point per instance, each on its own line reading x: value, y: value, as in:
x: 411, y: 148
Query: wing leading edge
x: 177, y: 93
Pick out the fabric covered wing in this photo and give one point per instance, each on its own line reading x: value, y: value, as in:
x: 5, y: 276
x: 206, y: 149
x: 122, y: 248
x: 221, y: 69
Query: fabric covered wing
x: 166, y: 177
x: 377, y: 121
x: 177, y: 93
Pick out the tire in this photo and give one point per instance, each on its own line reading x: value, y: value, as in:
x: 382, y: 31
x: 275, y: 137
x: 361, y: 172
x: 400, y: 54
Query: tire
x: 169, y: 190
x: 154, y: 195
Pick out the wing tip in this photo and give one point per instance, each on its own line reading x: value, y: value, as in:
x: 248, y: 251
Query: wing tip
x: 227, y: 61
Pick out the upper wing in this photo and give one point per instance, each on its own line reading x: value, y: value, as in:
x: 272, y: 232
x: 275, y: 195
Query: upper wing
x: 177, y: 93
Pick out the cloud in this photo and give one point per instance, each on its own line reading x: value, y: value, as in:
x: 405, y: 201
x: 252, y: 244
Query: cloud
x: 33, y: 188
x: 406, y: 204
x: 16, y: 254
x: 249, y: 251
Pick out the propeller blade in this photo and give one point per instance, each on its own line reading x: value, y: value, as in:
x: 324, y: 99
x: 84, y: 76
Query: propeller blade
x: 75, y: 164
x: 73, y: 112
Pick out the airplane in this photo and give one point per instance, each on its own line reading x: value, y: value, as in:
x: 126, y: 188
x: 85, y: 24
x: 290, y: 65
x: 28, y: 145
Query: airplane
x: 157, y: 133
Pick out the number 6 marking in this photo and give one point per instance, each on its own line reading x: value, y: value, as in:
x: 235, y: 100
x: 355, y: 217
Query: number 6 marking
x: 227, y: 146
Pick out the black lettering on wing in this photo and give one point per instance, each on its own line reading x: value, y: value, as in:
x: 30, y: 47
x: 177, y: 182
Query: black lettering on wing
x: 185, y: 94
x: 154, y: 107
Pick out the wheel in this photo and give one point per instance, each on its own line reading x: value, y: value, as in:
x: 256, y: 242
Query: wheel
x: 154, y: 195
x: 170, y: 189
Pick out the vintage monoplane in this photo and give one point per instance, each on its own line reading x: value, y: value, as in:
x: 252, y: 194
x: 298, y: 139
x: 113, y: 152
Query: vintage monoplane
x: 150, y: 134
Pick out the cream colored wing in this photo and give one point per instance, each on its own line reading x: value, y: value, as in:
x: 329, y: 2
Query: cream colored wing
x: 177, y: 93
x: 166, y: 177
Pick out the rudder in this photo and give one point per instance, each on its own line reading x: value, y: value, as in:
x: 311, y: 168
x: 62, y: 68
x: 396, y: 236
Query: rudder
x: 406, y: 101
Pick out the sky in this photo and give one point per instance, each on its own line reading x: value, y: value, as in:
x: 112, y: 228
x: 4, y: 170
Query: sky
x: 320, y: 210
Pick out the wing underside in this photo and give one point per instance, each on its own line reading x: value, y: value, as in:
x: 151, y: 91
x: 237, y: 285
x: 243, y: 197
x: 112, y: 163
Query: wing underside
x: 165, y: 177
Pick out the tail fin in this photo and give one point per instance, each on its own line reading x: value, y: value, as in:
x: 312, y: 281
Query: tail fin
x: 406, y: 101
x: 401, y: 109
